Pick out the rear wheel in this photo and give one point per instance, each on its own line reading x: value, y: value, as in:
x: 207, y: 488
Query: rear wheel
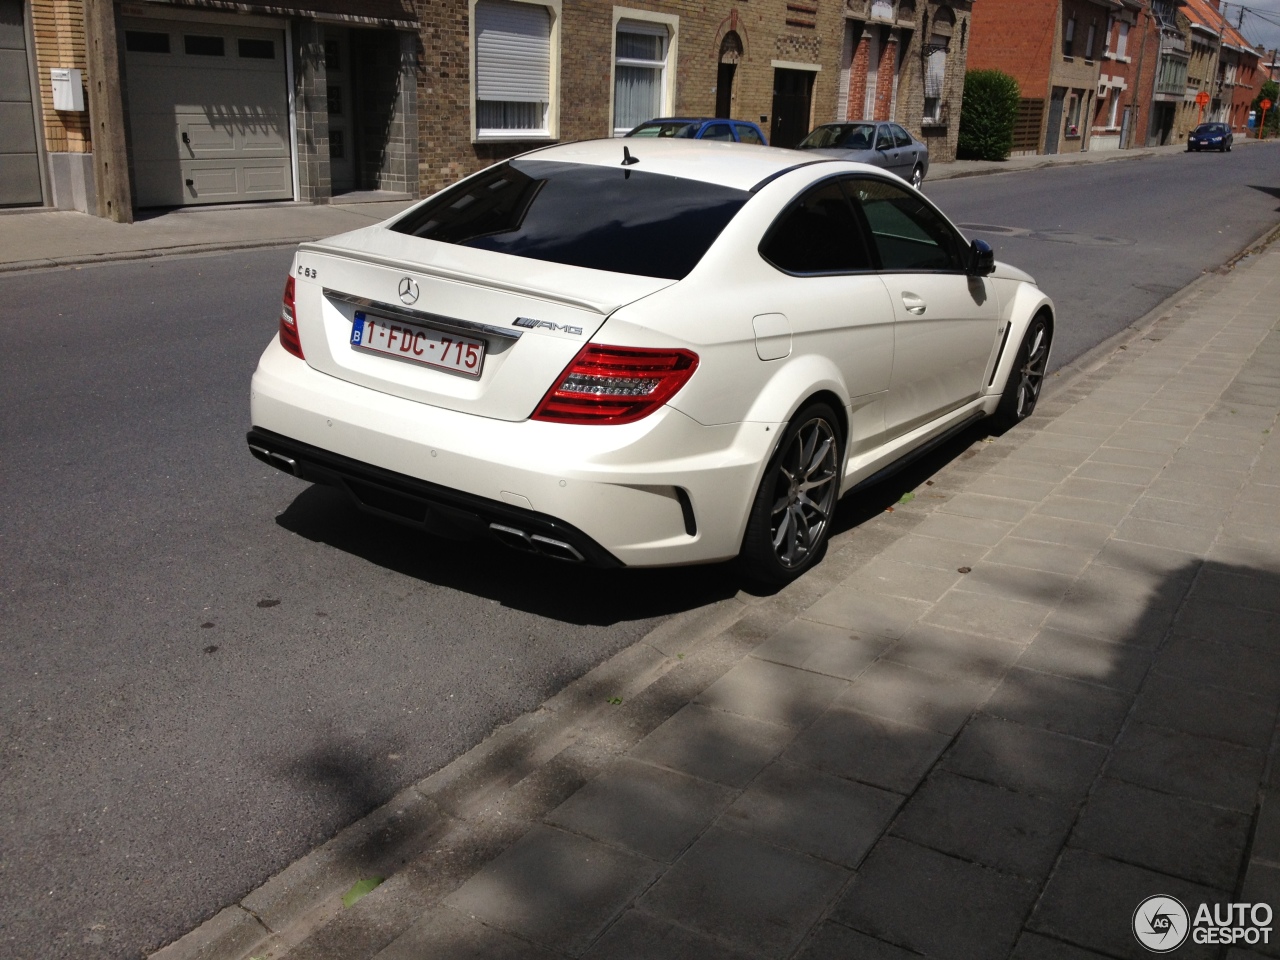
x: 1026, y: 379
x: 917, y: 176
x: 791, y: 516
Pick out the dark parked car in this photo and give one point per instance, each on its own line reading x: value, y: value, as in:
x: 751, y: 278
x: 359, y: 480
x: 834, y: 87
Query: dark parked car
x: 1210, y: 136
x: 701, y: 128
x: 885, y: 145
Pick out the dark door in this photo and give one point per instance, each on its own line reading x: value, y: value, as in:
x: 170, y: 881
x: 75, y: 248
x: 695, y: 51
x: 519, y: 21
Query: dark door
x: 19, y: 153
x: 1055, y: 119
x: 724, y: 89
x: 792, y: 96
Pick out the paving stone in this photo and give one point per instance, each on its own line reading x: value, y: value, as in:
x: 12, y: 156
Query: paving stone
x: 1180, y: 491
x: 870, y: 614
x: 1130, y: 622
x: 641, y: 936
x: 1226, y: 586
x: 1211, y: 771
x: 1023, y: 758
x: 647, y: 809
x: 1073, y: 533
x: 1081, y: 428
x: 745, y: 892
x: 1204, y: 476
x: 714, y: 745
x: 1124, y: 473
x: 835, y: 941
x: 1261, y: 493
x: 555, y: 888
x: 1039, y: 555
x: 984, y: 507
x: 773, y: 693
x: 1028, y: 470
x: 1104, y: 491
x: 1248, y: 553
x: 1032, y: 946
x: 1134, y: 458
x: 1015, y: 582
x: 1015, y: 488
x: 996, y: 617
x: 1172, y: 536
x: 1056, y: 703
x: 1050, y: 455
x: 1176, y: 511
x: 1221, y: 664
x: 1105, y: 586
x: 923, y: 699
x: 963, y: 529
x: 827, y: 817
x: 447, y: 933
x: 821, y: 648
x: 884, y: 753
x: 1205, y: 620
x: 1062, y: 440
x: 1077, y: 657
x: 954, y: 653
x: 1174, y: 835
x: 910, y: 580
x: 977, y: 821
x: 1144, y: 557
x: 1194, y: 706
x: 1090, y: 901
x: 935, y: 904
x: 931, y: 552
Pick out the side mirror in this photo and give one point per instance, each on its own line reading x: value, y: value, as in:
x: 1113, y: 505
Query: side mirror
x: 982, y: 259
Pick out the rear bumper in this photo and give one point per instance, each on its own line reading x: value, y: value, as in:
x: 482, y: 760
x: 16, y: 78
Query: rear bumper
x: 663, y: 491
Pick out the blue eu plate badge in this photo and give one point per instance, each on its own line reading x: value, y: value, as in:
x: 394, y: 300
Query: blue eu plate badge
x: 357, y: 329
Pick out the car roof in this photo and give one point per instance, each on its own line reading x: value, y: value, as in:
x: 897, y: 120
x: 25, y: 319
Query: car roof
x: 738, y: 165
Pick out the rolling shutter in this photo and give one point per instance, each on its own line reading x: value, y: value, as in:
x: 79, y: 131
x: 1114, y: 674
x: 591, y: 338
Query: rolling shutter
x: 513, y: 52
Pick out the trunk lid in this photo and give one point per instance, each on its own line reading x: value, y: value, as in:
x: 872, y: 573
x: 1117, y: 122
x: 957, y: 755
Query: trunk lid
x: 531, y: 316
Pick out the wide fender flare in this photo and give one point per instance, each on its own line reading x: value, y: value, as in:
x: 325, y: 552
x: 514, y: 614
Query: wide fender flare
x: 795, y: 381
x: 1018, y: 310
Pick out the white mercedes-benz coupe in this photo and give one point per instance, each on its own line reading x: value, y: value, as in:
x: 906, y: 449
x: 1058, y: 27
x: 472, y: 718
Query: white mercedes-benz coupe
x: 643, y: 354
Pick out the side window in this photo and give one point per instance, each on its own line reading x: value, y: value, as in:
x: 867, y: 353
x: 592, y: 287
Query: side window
x: 900, y: 137
x: 513, y: 45
x: 817, y: 233
x: 717, y: 131
x: 884, y: 139
x: 748, y: 134
x: 908, y: 233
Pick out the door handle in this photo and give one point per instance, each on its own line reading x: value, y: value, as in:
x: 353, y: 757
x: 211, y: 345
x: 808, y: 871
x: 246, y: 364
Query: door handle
x: 913, y: 304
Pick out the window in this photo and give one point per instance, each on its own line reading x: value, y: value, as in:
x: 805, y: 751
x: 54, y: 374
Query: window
x: 748, y: 134
x: 196, y: 46
x: 142, y: 41
x: 256, y: 49
x: 1122, y: 38
x: 884, y: 139
x: 935, y: 72
x: 1073, y: 115
x: 1068, y: 37
x: 1115, y: 108
x: 639, y: 73
x: 900, y: 137
x: 817, y: 234
x: 1088, y: 43
x: 513, y: 69
x: 1106, y: 37
x: 718, y: 131
x: 605, y: 218
x: 909, y: 234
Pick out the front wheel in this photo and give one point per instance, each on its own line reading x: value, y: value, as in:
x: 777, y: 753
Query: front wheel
x: 1026, y: 379
x: 791, y: 515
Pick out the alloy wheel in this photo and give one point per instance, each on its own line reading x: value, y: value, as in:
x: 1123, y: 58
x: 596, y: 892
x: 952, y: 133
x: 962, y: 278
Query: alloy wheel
x: 804, y: 493
x: 1031, y: 372
x: 917, y: 177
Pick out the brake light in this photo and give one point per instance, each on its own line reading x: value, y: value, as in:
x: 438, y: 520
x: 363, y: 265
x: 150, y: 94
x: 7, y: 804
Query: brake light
x: 616, y: 384
x: 289, y: 323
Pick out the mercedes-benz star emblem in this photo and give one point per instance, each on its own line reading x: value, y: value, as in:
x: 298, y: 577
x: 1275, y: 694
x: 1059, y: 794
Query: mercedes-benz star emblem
x: 408, y: 290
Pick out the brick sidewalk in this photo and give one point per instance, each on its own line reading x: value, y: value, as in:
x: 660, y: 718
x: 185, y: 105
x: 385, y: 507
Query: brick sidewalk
x: 991, y: 723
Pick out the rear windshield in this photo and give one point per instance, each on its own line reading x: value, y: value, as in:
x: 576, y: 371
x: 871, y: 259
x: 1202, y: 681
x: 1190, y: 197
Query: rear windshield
x: 607, y: 218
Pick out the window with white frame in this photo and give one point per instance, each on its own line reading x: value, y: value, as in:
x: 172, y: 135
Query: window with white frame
x: 513, y: 69
x: 935, y: 72
x: 639, y: 73
x: 1122, y: 39
x: 1115, y: 108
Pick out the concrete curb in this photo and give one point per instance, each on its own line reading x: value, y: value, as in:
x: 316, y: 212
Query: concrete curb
x: 118, y: 256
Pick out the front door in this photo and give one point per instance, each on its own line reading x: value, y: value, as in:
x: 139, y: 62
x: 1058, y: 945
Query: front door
x: 945, y: 321
x: 792, y: 99
x: 1055, y: 119
x: 724, y: 89
x: 337, y: 68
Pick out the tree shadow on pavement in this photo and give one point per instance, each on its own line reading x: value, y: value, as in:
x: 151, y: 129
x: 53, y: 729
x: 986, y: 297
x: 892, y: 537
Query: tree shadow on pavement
x: 949, y: 793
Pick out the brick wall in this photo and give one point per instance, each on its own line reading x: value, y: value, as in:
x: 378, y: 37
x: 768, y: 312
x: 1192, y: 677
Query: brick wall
x: 1019, y: 37
x: 59, y: 34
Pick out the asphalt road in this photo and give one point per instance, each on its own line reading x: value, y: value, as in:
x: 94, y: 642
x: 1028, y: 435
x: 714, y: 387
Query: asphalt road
x: 207, y: 668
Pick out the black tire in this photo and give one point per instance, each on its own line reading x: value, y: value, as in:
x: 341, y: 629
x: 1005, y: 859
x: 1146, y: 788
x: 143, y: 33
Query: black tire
x: 792, y: 512
x: 1026, y: 379
x: 917, y: 176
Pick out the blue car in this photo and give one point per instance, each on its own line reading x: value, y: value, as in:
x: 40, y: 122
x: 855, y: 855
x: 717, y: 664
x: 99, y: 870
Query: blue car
x: 701, y: 128
x: 1210, y: 136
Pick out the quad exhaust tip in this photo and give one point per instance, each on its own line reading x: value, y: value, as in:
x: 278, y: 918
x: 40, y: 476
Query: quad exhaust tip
x: 536, y: 543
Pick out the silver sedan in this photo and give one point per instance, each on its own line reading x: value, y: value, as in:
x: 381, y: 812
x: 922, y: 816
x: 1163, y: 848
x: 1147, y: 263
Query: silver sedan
x: 881, y: 144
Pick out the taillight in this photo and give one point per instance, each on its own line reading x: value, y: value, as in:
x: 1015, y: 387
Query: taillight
x: 289, y: 323
x: 616, y: 384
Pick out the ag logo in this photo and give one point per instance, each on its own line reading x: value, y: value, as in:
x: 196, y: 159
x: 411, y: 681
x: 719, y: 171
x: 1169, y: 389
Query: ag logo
x: 1161, y: 924
x: 408, y: 290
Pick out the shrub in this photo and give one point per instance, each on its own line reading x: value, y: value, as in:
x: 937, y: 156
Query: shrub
x: 1270, y: 91
x: 987, y: 115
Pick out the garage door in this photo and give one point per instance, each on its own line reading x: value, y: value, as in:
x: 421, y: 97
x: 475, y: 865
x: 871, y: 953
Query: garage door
x: 19, y: 159
x: 208, y: 113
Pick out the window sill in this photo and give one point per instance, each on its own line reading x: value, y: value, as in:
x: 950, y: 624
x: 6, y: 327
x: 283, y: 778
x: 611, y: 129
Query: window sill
x: 512, y: 136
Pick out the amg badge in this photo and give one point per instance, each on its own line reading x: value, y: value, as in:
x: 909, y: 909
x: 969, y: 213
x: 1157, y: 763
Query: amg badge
x: 531, y: 324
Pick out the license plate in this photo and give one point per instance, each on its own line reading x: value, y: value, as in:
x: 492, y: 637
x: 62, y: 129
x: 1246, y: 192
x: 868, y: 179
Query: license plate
x: 408, y: 341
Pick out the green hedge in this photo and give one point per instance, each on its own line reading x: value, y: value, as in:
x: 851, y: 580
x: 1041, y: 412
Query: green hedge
x: 987, y: 115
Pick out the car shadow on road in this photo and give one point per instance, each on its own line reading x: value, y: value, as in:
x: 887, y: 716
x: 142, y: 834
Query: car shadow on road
x: 571, y: 593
